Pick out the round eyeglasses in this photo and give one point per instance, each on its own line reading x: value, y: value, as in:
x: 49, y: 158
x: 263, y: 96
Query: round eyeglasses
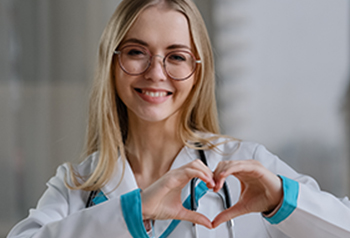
x: 135, y: 60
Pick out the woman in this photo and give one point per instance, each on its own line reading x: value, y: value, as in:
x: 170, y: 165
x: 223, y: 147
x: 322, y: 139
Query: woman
x: 152, y: 110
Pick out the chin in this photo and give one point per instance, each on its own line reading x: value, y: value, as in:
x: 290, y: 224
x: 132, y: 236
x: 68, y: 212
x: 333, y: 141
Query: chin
x: 154, y: 117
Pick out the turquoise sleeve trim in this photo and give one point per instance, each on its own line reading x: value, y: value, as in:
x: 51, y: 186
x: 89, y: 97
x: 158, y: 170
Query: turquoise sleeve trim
x: 290, y: 199
x: 100, y: 197
x: 201, y: 189
x: 132, y: 212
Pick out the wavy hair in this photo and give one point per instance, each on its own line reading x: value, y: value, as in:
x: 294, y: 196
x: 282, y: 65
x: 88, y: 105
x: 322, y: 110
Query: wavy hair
x: 108, y: 119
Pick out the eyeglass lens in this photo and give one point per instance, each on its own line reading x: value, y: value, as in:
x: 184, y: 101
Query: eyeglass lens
x: 135, y: 60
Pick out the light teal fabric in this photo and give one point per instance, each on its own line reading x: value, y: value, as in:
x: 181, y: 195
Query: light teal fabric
x: 290, y: 199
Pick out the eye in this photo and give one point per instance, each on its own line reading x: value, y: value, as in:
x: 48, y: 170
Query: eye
x: 177, y: 57
x: 134, y: 52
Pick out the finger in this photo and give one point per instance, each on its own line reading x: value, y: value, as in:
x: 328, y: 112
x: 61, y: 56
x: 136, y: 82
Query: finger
x: 201, y: 166
x: 228, y: 214
x: 226, y: 168
x: 247, y: 169
x: 198, y: 164
x: 195, y: 173
x: 195, y: 218
x: 219, y: 175
x: 250, y: 168
x: 219, y: 182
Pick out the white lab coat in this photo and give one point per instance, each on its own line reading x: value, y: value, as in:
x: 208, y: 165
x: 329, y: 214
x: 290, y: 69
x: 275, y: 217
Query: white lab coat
x: 61, y: 212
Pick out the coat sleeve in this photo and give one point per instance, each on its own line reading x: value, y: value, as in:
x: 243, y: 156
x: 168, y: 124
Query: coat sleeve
x: 61, y: 213
x: 315, y: 213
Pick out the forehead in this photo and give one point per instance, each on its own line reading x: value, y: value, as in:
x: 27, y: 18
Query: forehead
x: 160, y: 27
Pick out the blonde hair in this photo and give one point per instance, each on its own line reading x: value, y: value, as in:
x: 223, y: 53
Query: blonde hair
x: 108, y: 123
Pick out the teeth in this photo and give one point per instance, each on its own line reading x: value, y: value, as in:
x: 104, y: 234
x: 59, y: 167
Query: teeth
x: 154, y: 94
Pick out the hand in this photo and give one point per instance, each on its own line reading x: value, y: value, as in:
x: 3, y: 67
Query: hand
x: 162, y: 200
x: 261, y: 190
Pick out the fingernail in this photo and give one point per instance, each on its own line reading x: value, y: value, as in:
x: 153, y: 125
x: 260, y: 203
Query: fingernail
x: 215, y: 189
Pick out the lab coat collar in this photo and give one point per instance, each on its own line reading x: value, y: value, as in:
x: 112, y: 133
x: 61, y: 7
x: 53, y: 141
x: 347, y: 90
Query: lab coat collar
x: 112, y: 190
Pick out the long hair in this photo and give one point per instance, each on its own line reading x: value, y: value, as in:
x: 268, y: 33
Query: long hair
x: 108, y: 119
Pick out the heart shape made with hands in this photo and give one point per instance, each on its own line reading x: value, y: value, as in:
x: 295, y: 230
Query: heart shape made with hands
x: 261, y: 191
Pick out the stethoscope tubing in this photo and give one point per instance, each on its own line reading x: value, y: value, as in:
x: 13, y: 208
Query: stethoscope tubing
x: 194, y: 206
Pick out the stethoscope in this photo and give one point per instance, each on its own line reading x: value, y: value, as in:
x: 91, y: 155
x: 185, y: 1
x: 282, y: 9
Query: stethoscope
x: 226, y: 200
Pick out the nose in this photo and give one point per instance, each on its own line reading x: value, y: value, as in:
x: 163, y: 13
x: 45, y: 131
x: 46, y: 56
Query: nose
x: 156, y: 70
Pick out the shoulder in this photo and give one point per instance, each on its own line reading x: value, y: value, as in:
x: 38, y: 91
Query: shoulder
x: 233, y: 149
x: 229, y: 148
x: 227, y: 145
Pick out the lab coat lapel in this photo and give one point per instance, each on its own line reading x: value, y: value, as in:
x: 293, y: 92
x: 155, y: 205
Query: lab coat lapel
x: 127, y: 184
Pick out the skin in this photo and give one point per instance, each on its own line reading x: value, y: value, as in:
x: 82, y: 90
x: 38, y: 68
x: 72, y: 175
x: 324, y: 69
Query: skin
x: 152, y: 124
x: 152, y: 143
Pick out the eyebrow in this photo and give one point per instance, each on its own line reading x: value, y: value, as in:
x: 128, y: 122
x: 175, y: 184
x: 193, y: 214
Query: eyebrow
x: 141, y: 42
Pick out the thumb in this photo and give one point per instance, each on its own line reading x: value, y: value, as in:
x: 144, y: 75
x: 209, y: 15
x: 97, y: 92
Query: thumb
x: 195, y: 218
x: 228, y: 214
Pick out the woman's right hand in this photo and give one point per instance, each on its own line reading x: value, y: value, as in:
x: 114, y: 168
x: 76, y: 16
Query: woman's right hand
x: 162, y: 200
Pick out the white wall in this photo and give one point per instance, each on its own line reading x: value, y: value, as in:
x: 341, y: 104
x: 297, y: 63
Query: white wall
x: 284, y: 71
x: 48, y: 53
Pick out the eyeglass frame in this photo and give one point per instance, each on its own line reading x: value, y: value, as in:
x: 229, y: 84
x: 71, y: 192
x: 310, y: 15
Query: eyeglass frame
x: 196, y: 61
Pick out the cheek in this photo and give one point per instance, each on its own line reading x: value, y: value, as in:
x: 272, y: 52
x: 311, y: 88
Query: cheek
x: 186, y: 89
x: 190, y: 83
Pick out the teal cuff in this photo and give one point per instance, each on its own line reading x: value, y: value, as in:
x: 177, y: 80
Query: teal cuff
x: 290, y: 199
x: 132, y: 212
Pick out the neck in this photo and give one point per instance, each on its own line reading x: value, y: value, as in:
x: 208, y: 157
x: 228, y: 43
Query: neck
x: 151, y: 148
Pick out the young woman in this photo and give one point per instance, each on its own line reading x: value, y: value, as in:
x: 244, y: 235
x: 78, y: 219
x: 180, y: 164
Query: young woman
x: 152, y: 129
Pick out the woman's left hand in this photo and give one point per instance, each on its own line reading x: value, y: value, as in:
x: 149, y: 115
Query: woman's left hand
x: 261, y: 190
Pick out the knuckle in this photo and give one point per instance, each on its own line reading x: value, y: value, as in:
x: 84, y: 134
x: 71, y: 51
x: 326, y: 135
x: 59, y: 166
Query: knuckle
x: 187, y: 170
x: 223, y: 163
x: 197, y: 161
x: 200, y: 175
x: 255, y: 162
x: 194, y: 163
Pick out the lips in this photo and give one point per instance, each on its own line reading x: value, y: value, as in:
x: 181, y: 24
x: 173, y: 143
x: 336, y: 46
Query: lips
x: 153, y: 95
x: 153, y: 92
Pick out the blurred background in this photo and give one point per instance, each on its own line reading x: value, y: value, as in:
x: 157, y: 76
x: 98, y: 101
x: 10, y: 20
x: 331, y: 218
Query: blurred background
x: 282, y: 71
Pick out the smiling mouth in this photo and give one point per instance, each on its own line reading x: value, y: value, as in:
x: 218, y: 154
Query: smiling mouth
x: 153, y: 93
